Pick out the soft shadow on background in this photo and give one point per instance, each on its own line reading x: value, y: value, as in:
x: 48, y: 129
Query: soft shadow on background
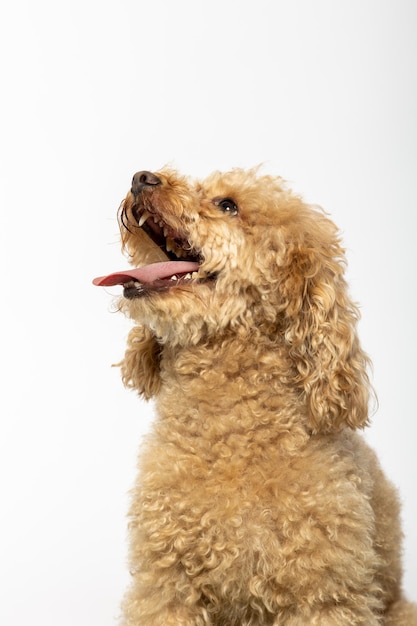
x: 323, y: 93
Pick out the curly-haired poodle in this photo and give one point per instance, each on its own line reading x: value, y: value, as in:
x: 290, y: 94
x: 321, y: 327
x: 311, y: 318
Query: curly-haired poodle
x: 257, y: 501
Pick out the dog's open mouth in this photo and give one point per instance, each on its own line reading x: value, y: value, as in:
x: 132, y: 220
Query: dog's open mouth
x: 182, y: 264
x: 155, y: 277
x: 173, y: 243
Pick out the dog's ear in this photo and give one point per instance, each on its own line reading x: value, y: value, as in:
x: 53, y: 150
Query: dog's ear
x: 328, y: 363
x: 141, y: 364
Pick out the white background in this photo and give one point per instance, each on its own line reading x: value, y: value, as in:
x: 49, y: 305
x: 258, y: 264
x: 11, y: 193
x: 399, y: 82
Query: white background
x: 323, y: 92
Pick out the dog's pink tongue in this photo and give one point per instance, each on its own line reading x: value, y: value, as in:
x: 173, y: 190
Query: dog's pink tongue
x: 147, y: 274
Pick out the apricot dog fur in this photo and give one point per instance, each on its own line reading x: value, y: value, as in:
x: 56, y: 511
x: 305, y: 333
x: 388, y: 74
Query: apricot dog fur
x: 257, y: 502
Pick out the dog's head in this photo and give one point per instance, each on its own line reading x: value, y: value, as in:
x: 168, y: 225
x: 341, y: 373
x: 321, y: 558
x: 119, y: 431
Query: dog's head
x: 205, y: 255
x: 240, y: 251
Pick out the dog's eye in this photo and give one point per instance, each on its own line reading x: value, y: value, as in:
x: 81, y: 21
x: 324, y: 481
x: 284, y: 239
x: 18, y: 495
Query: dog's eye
x: 227, y: 205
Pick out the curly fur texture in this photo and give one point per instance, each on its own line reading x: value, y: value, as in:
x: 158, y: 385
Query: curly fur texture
x: 257, y: 502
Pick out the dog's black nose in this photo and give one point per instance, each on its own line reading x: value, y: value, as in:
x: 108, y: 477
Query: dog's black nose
x: 144, y: 179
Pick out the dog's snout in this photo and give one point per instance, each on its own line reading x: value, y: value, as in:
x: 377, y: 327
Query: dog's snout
x: 144, y: 179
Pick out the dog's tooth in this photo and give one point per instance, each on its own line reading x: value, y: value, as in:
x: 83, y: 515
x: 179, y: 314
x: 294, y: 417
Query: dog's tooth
x: 187, y: 276
x: 169, y: 245
x: 143, y: 218
x: 174, y: 277
x: 194, y: 275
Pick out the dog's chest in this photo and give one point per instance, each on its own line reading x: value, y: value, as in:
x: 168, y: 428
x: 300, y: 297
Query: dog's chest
x: 215, y: 512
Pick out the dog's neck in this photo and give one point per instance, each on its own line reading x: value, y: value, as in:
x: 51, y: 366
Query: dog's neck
x: 220, y: 386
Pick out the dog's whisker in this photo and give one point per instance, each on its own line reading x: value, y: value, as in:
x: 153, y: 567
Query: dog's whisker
x: 125, y: 220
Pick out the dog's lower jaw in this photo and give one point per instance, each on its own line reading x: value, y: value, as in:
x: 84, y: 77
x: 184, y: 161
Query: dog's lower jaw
x: 190, y: 313
x: 168, y: 328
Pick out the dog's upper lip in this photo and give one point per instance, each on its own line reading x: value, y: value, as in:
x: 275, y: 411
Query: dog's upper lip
x: 148, y: 273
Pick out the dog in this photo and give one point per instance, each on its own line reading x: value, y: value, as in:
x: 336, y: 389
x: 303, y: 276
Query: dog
x: 258, y: 502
